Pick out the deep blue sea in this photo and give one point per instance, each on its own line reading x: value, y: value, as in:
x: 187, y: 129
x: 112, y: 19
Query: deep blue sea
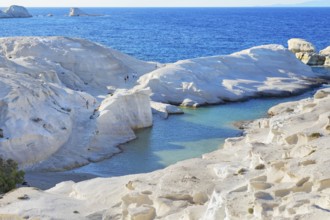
x: 168, y: 35
x: 171, y: 34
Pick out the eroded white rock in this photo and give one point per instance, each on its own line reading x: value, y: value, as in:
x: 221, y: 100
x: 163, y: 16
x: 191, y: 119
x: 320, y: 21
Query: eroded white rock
x: 164, y: 110
x: 225, y: 184
x: 263, y: 70
x: 325, y: 52
x: 49, y: 97
x: 78, y: 64
x: 285, y: 188
x: 119, y: 115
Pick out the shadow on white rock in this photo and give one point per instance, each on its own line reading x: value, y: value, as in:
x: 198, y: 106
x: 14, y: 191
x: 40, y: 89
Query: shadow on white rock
x: 78, y: 64
x: 269, y: 70
x: 50, y: 88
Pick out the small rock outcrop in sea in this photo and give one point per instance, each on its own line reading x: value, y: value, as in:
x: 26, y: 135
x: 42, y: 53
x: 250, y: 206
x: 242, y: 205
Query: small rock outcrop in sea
x: 307, y: 53
x: 15, y: 11
x: 75, y: 12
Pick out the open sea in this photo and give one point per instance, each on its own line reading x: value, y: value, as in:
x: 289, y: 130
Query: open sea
x: 171, y: 34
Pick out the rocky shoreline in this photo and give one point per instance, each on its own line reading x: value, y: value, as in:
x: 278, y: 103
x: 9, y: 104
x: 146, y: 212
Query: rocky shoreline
x: 59, y: 89
x: 85, y: 103
x: 277, y: 170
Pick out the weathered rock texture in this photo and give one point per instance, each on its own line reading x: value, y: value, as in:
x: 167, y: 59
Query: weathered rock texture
x: 50, y: 101
x: 307, y: 53
x: 269, y: 70
x: 277, y: 170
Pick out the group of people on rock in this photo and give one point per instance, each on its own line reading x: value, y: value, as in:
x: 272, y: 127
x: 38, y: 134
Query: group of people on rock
x: 134, y: 76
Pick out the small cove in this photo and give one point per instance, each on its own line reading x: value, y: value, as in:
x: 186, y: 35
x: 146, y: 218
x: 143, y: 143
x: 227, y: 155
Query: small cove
x: 181, y: 137
x: 177, y: 138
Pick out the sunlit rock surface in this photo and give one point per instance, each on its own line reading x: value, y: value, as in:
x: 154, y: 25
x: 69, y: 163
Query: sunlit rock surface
x: 74, y: 12
x: 66, y: 102
x: 259, y: 71
x: 277, y: 170
x: 51, y: 89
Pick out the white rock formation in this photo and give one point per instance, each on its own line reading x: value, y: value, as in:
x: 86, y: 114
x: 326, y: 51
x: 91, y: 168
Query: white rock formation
x: 132, y: 108
x: 326, y: 52
x: 51, y: 87
x: 250, y: 178
x: 46, y: 116
x: 277, y: 170
x: 74, y: 12
x: 15, y: 11
x: 259, y: 71
x: 119, y: 115
x: 36, y: 117
x: 297, y: 45
x: 164, y: 110
x: 76, y: 63
x: 97, y: 134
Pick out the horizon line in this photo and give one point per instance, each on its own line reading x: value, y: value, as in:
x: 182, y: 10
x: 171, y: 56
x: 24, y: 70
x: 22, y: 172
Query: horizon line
x: 265, y: 6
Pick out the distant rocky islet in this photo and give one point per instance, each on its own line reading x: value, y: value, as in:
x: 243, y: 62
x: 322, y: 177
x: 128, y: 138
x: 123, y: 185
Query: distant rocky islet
x: 77, y: 12
x: 16, y: 11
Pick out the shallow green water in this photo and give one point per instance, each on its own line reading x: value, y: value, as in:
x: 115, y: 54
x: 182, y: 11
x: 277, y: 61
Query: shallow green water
x: 180, y: 137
